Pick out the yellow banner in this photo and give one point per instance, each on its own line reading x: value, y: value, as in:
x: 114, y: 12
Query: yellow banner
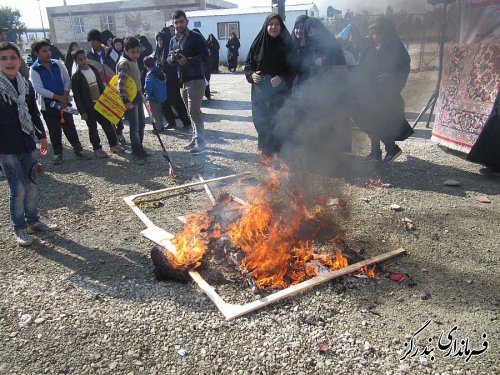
x: 130, y: 87
x: 110, y: 104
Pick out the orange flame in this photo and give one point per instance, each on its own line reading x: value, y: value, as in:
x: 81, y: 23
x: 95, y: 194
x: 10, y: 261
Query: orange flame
x: 267, y: 233
x: 371, y: 273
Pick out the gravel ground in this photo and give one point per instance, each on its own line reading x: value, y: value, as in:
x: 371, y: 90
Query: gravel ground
x: 95, y: 306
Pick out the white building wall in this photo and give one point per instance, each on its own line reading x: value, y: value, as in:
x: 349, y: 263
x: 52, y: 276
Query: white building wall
x: 250, y: 25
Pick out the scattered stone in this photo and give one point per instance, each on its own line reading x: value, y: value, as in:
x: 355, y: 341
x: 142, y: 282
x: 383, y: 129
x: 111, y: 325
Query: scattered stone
x: 336, y: 202
x: 113, y: 365
x: 25, y: 320
x: 451, y: 182
x: 366, y: 199
x: 39, y: 321
x: 483, y: 199
x: 424, y: 361
x: 396, y: 207
x: 404, y: 368
x: 409, y: 225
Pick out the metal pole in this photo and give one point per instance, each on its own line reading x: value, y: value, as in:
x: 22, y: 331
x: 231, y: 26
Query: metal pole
x: 70, y: 20
x: 41, y: 19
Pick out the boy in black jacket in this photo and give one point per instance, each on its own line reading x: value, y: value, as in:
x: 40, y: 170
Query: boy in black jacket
x: 20, y: 129
x: 87, y: 87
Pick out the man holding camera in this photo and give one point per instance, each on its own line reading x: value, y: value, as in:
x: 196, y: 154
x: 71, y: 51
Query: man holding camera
x: 189, y: 52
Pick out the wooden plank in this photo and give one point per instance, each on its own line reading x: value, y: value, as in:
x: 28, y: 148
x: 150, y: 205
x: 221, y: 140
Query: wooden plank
x: 231, y: 311
x: 138, y: 212
x: 239, y: 200
x: 191, y: 184
x: 207, y: 189
x: 211, y: 196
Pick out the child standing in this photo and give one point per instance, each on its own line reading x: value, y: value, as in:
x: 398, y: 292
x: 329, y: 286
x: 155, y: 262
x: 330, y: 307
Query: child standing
x: 87, y: 87
x: 155, y: 91
x: 52, y: 83
x: 127, y: 66
x: 21, y: 127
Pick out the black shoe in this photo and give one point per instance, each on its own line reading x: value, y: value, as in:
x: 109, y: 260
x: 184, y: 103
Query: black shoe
x: 170, y: 126
x: 374, y: 156
x: 393, y: 155
x: 187, y: 126
x: 198, y: 150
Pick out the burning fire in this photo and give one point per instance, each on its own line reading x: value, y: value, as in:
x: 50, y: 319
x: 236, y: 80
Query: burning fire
x: 268, y: 231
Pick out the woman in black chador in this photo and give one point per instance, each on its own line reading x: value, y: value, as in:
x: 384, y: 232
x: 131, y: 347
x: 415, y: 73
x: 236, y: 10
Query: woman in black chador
x: 325, y: 52
x: 486, y: 150
x: 233, y: 45
x: 214, y: 47
x: 301, y: 50
x: 73, y: 46
x: 269, y: 69
x: 382, y: 72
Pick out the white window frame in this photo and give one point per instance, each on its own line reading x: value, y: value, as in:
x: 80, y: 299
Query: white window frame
x: 108, y: 22
x: 79, y: 24
x: 225, y: 34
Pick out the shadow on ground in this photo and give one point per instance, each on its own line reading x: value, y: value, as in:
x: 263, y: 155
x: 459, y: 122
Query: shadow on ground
x: 116, y: 273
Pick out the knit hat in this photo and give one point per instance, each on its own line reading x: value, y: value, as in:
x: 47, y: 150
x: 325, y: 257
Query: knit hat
x: 94, y: 35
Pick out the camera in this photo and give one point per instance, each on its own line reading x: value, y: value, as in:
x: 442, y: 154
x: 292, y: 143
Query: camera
x: 177, y: 54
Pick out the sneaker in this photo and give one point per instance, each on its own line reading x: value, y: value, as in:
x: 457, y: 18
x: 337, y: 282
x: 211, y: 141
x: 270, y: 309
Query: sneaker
x: 374, y: 156
x: 393, y: 155
x: 198, y: 150
x: 57, y: 159
x: 41, y: 227
x: 117, y: 149
x: 489, y: 171
x: 100, y: 153
x: 121, y: 139
x: 83, y: 155
x: 191, y: 144
x: 22, y: 237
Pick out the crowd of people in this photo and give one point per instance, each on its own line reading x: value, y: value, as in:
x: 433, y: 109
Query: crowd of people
x: 296, y: 78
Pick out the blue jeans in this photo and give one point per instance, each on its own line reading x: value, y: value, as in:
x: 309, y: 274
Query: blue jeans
x: 136, y: 122
x: 22, y: 176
